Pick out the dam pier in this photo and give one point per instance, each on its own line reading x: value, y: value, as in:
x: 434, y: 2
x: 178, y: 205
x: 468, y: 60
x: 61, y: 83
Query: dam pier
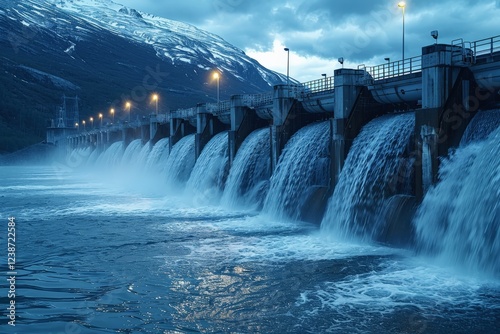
x: 443, y: 87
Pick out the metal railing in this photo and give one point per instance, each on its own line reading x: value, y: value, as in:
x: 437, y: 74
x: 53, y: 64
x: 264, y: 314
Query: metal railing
x: 394, y: 69
x: 319, y: 85
x: 258, y: 100
x: 487, y: 46
x: 219, y: 108
x: 184, y: 113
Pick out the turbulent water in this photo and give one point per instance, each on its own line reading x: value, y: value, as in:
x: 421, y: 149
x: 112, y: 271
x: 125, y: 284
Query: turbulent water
x: 125, y: 250
x: 248, y: 180
x: 302, y: 168
x: 459, y: 218
x: 375, y: 169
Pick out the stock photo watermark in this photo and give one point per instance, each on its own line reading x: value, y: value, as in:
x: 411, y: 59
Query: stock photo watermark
x: 11, y: 273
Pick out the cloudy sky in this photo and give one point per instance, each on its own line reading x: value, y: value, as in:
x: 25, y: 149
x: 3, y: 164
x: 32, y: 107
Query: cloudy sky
x: 318, y: 32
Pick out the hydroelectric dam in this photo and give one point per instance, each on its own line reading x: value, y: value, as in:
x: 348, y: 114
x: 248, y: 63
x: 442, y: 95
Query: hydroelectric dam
x: 356, y: 152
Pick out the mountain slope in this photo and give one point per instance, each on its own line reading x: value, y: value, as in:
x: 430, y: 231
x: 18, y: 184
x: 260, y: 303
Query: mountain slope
x: 106, y: 54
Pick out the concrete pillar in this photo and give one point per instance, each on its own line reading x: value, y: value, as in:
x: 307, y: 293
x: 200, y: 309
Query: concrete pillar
x: 179, y: 128
x: 145, y: 133
x: 282, y: 105
x: 439, y: 125
x: 207, y: 126
x: 243, y: 121
x: 348, y: 87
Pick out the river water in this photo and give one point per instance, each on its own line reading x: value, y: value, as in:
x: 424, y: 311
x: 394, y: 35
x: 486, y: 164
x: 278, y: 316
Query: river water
x: 105, y: 256
x: 134, y: 240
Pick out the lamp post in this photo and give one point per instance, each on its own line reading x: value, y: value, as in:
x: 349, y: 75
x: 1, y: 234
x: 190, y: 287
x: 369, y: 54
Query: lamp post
x: 324, y: 75
x: 402, y: 5
x: 287, y: 66
x: 128, y: 106
x: 83, y: 122
x: 92, y: 122
x: 155, y: 98
x: 112, y: 111
x: 77, y: 128
x: 100, y: 120
x: 217, y: 77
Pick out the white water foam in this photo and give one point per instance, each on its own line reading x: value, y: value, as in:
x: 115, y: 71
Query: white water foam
x: 459, y: 217
x: 371, y: 174
x: 248, y: 179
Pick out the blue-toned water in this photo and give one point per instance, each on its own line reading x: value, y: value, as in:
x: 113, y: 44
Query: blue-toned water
x: 113, y: 249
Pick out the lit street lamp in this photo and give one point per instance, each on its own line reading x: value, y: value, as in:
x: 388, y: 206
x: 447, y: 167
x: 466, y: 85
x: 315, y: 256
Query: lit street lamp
x: 92, y: 122
x: 100, y: 120
x: 128, y: 106
x: 112, y: 111
x: 76, y: 126
x: 217, y: 77
x: 155, y: 98
x: 402, y: 5
x: 83, y: 122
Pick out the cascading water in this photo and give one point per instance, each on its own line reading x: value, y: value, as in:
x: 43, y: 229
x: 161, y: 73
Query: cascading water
x: 112, y: 156
x: 248, y: 179
x: 481, y: 126
x: 301, y: 172
x: 375, y: 170
x: 79, y: 156
x: 181, y: 161
x: 131, y: 152
x: 93, y: 157
x: 210, y: 171
x: 459, y: 218
x: 158, y: 155
x: 141, y: 160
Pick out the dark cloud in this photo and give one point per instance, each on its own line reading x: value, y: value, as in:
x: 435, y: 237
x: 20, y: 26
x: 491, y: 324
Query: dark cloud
x: 359, y: 30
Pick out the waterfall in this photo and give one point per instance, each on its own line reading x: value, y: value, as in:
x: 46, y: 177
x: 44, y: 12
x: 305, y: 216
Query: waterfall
x: 158, y: 155
x: 93, y: 157
x: 209, y: 174
x: 181, y: 160
x: 376, y: 168
x: 78, y: 157
x: 481, y: 126
x: 131, y: 152
x: 248, y: 179
x: 301, y: 171
x: 459, y: 218
x: 112, y: 156
x: 141, y: 160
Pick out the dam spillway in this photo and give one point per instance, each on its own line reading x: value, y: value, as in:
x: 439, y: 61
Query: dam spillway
x: 347, y: 152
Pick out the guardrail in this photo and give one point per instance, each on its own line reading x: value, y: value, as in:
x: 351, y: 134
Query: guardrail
x: 184, y: 113
x: 486, y: 46
x: 218, y: 108
x: 394, y: 69
x: 320, y: 85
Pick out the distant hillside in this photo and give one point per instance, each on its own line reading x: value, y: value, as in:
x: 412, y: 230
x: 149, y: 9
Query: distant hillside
x: 106, y: 54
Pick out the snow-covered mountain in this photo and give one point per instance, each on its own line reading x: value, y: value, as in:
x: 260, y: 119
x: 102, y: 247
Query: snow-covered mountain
x: 174, y: 41
x: 106, y: 53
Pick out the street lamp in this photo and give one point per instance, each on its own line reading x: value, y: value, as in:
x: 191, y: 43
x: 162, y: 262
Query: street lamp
x: 83, y: 122
x: 128, y: 105
x: 324, y: 75
x: 112, y: 111
x: 402, y: 5
x: 217, y: 77
x: 76, y: 126
x: 92, y: 122
x: 287, y: 66
x: 155, y: 98
x: 100, y: 119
